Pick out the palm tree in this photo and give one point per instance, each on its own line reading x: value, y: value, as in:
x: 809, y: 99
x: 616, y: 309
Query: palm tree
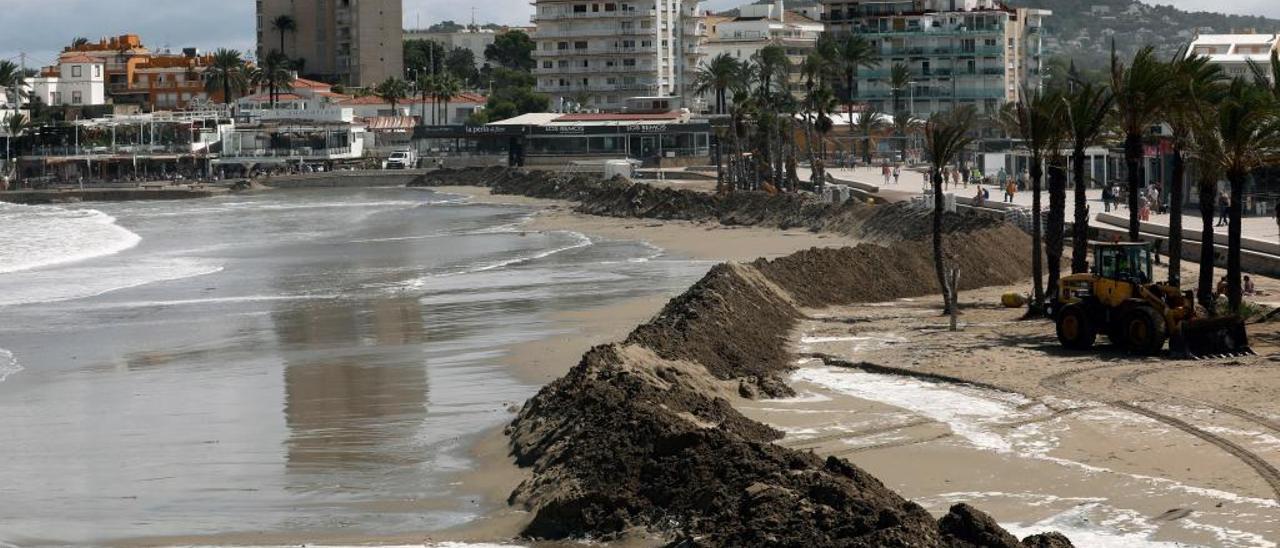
x: 772, y: 70
x: 1267, y: 77
x: 904, y: 124
x: 822, y: 103
x: 718, y: 76
x: 946, y: 136
x: 274, y: 74
x: 448, y: 86
x: 1193, y: 80
x: 392, y: 90
x: 284, y: 24
x: 1245, y: 135
x: 79, y: 42
x: 15, y: 126
x: 1141, y: 91
x: 899, y: 79
x: 11, y: 79
x: 427, y: 84
x: 851, y: 53
x: 1035, y: 120
x: 1086, y: 108
x: 870, y: 124
x: 228, y: 74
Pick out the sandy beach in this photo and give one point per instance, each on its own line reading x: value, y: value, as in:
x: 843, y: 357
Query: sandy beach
x: 1105, y: 448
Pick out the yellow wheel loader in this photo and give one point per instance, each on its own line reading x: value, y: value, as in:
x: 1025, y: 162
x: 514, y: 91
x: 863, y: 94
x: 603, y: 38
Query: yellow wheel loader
x: 1120, y: 300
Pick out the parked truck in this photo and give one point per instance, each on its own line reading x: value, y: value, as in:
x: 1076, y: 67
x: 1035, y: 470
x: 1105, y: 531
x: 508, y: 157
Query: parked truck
x: 401, y: 159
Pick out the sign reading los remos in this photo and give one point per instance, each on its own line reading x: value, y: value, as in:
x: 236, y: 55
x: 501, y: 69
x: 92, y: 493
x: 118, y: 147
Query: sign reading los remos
x: 629, y: 129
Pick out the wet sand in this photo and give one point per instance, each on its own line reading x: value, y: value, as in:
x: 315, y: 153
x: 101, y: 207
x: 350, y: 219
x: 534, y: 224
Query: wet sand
x: 493, y: 474
x: 1107, y: 448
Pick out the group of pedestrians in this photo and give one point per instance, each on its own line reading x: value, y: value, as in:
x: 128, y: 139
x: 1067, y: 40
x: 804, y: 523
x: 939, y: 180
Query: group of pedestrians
x: 890, y: 172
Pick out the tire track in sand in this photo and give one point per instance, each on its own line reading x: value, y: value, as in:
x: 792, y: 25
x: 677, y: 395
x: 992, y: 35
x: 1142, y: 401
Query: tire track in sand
x: 1264, y: 469
x: 1134, y: 380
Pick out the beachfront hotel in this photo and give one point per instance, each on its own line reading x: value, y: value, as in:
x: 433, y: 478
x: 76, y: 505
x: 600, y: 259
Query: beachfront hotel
x: 1235, y: 52
x: 341, y: 41
x: 960, y: 52
x: 758, y: 26
x: 596, y: 55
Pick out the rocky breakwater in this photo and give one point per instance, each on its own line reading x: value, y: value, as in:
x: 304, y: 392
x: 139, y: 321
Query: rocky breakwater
x: 641, y: 439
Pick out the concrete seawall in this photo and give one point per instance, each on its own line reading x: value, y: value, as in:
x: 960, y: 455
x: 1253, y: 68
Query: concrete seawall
x: 42, y: 197
x: 346, y: 179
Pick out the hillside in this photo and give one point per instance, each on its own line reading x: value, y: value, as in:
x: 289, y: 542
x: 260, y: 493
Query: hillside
x: 1084, y: 29
x: 1076, y: 31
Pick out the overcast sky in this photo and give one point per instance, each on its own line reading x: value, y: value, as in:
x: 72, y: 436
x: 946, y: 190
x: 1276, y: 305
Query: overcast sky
x: 42, y: 27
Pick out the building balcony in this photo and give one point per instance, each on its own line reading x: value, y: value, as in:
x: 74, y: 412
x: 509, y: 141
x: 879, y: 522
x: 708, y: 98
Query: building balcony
x: 942, y: 52
x: 594, y: 70
x: 562, y: 53
x: 924, y: 33
x: 592, y: 15
x: 591, y: 33
x: 599, y: 88
x: 933, y: 94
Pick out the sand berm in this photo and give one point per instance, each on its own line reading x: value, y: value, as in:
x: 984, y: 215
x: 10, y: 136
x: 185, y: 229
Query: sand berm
x: 640, y: 438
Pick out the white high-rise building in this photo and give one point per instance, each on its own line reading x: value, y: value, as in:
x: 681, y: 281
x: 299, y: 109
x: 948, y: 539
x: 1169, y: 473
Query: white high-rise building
x: 959, y: 52
x: 610, y: 55
x: 1234, y: 52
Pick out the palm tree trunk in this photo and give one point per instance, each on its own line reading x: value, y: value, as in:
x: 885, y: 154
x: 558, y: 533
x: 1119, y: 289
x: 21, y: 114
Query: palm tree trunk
x: 1207, y: 256
x: 282, y: 40
x: 1080, y: 229
x: 1037, y: 237
x: 1234, y: 230
x: 1133, y: 160
x: 939, y: 266
x: 1057, y: 218
x: 1175, y: 217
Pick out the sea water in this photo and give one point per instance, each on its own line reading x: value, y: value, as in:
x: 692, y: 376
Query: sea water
x: 290, y: 361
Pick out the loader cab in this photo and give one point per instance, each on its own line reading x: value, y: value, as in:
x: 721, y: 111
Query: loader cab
x: 1129, y: 262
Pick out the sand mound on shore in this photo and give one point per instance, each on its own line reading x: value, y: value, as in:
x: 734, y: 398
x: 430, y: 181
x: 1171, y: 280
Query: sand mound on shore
x: 640, y: 436
x: 622, y: 198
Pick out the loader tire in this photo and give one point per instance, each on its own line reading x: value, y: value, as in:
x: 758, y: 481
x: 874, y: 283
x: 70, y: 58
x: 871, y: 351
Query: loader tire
x: 1144, y: 331
x: 1075, y: 330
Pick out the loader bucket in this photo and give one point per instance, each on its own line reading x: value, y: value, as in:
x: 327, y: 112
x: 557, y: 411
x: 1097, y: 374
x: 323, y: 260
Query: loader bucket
x: 1213, y: 338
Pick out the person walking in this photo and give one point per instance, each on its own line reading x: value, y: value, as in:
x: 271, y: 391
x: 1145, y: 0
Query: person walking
x: 897, y: 172
x: 1010, y: 190
x: 885, y: 173
x: 1106, y: 199
x: 1224, y: 209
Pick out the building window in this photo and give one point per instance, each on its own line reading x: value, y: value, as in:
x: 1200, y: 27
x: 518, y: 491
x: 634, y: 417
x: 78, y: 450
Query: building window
x: 579, y: 45
x: 75, y: 71
x: 97, y: 70
x: 76, y: 98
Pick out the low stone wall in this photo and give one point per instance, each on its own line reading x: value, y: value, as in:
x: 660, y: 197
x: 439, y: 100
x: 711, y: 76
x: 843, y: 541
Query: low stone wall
x: 44, y: 197
x: 346, y: 179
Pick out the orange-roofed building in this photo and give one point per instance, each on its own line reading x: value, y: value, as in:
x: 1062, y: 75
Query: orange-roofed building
x: 133, y: 74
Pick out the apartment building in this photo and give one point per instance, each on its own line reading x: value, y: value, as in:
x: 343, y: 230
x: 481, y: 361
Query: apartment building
x: 129, y: 74
x: 1233, y: 52
x: 600, y: 55
x: 77, y: 80
x: 959, y: 52
x: 758, y: 26
x: 352, y: 42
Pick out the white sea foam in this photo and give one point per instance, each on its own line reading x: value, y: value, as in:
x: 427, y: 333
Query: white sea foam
x: 41, y: 236
x: 581, y: 241
x: 8, y: 364
x: 1096, y: 524
x: 80, y: 282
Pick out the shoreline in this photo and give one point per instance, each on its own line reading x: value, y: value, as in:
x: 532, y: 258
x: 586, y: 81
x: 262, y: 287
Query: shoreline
x: 494, y: 475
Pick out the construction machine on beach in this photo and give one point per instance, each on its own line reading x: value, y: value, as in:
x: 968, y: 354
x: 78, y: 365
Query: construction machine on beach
x: 1119, y: 299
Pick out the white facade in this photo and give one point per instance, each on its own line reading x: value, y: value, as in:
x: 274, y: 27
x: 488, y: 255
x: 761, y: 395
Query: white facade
x: 1234, y: 51
x: 758, y: 26
x: 959, y: 52
x: 80, y: 81
x: 474, y: 40
x: 605, y: 53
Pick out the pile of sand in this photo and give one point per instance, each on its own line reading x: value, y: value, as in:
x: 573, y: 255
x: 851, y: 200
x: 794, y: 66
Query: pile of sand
x: 621, y: 198
x: 640, y: 436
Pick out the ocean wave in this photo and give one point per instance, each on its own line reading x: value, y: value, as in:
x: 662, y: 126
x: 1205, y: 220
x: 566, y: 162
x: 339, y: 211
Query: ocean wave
x: 8, y: 364
x: 269, y: 207
x: 42, y: 236
x: 581, y: 241
x: 67, y: 284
